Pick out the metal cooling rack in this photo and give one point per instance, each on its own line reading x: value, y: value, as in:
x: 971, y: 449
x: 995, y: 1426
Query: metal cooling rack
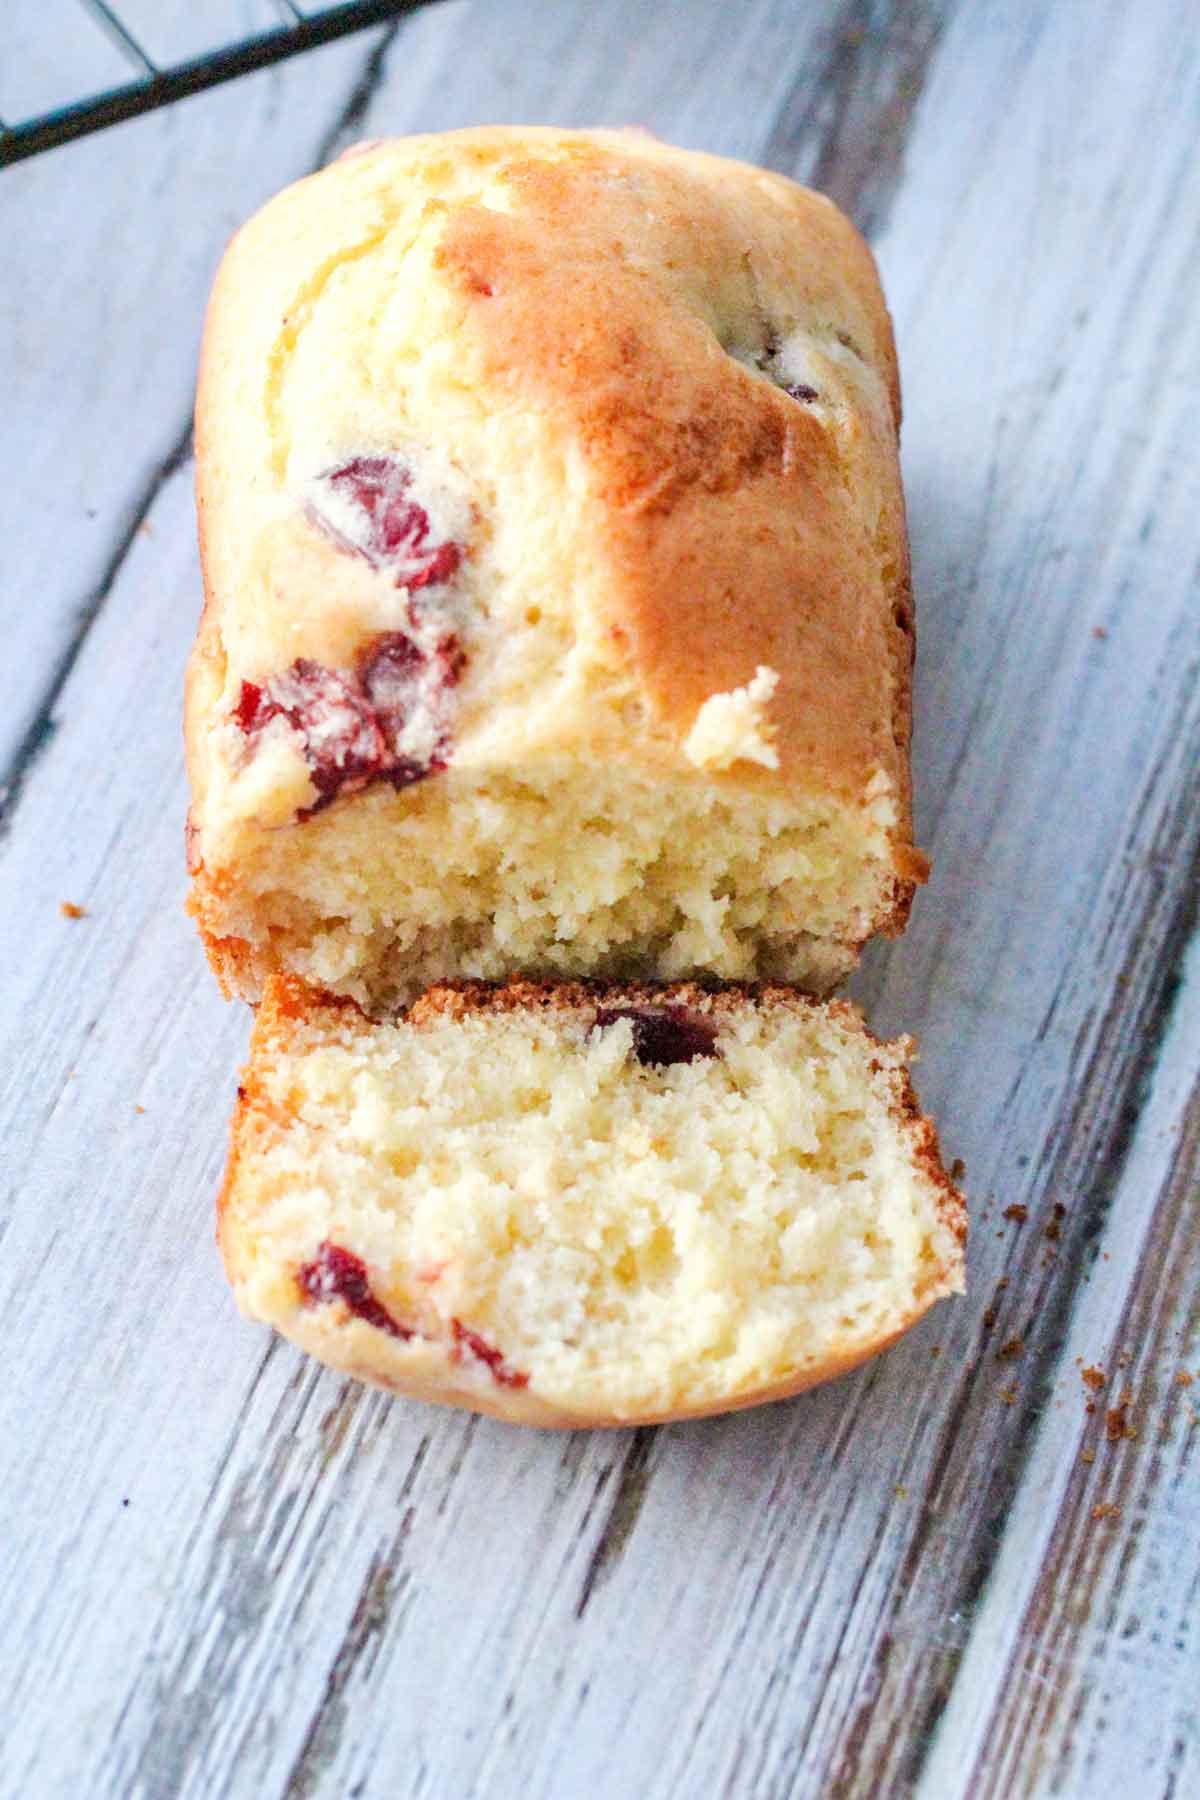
x: 300, y: 28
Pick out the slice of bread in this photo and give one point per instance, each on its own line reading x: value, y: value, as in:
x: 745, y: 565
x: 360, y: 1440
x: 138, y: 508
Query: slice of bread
x: 580, y: 1205
x: 549, y: 496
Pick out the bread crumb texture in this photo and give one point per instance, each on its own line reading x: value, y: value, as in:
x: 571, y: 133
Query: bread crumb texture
x: 625, y: 1239
x: 551, y: 873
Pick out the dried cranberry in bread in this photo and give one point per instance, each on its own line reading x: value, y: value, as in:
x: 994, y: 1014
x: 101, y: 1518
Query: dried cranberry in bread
x: 558, y: 609
x: 571, y: 1205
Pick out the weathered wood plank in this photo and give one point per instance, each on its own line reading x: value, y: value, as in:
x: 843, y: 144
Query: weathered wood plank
x: 1081, y: 1664
x: 1063, y: 795
x: 316, y: 1591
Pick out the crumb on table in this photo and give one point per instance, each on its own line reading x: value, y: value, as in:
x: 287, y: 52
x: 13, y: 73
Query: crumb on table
x: 1116, y: 1423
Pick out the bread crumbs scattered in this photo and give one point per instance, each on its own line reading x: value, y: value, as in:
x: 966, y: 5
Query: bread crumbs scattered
x: 1094, y: 1377
x: 1017, y: 1213
x: 1009, y: 1351
x: 1183, y: 1379
x: 902, y: 1493
x: 1116, y: 1423
x: 1087, y: 1456
x: 140, y: 1109
x: 989, y: 1318
x: 1106, y: 1509
x: 958, y: 1169
x: 69, y: 910
x: 1098, y: 631
x: 1008, y: 1396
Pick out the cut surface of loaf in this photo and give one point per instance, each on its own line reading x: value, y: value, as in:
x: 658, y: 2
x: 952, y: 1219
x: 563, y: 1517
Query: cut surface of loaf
x: 574, y: 1205
x: 558, y: 613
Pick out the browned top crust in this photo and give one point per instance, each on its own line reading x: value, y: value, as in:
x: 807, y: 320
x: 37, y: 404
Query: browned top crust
x: 727, y: 512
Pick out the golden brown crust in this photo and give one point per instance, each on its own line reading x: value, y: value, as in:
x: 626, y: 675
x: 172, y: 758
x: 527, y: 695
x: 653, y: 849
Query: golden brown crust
x: 927, y: 1151
x: 232, y: 960
x: 724, y: 511
x: 436, y: 1385
x: 427, y: 1370
x: 456, y: 999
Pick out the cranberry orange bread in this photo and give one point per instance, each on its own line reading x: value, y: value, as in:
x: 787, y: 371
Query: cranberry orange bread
x: 573, y: 1205
x: 558, y: 611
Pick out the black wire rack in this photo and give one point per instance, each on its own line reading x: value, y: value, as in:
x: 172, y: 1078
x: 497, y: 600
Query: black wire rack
x: 301, y: 27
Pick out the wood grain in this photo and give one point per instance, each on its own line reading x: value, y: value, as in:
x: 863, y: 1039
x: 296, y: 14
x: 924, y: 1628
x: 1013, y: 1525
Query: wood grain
x: 224, y: 1571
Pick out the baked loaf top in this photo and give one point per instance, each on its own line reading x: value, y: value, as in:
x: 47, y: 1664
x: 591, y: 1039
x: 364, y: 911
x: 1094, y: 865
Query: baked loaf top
x: 574, y: 1205
x: 517, y: 444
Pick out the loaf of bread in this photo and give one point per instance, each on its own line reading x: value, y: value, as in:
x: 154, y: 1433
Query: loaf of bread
x: 558, y: 611
x: 578, y: 1205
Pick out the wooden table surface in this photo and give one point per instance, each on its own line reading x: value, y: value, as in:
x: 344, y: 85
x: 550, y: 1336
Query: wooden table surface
x: 960, y: 1572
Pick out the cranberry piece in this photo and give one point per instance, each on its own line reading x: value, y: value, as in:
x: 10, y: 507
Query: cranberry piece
x: 451, y: 660
x: 337, y: 1274
x: 664, y: 1034
x: 473, y: 1343
x: 388, y: 527
x: 800, y: 390
x: 343, y: 740
x: 246, y: 712
x: 393, y: 664
x: 392, y: 673
x: 352, y: 723
x: 400, y: 681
